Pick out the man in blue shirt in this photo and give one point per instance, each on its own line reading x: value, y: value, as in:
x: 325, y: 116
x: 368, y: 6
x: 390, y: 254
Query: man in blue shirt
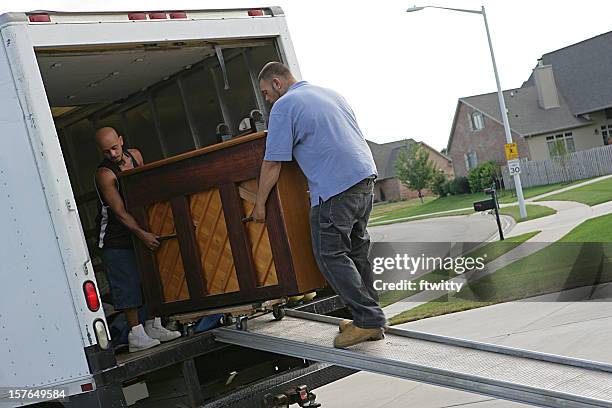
x: 317, y: 127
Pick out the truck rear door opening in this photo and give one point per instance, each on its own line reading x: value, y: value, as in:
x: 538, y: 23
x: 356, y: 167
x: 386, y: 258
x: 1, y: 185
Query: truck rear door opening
x: 163, y: 98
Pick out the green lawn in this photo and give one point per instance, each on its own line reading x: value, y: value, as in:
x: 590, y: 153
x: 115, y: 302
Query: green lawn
x: 490, y: 251
x: 447, y: 203
x: 380, y: 221
x: 581, y: 258
x: 386, y: 208
x: 598, y: 229
x: 392, y: 212
x: 533, y: 212
x: 591, y: 194
x: 508, y: 196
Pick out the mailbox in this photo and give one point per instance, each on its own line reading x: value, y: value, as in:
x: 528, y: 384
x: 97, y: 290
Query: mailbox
x: 484, y: 205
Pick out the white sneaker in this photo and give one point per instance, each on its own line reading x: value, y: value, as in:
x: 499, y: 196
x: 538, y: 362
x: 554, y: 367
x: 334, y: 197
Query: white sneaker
x: 139, y: 340
x: 155, y: 330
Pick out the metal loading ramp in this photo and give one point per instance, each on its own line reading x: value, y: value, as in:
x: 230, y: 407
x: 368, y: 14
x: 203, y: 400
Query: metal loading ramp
x: 518, y: 375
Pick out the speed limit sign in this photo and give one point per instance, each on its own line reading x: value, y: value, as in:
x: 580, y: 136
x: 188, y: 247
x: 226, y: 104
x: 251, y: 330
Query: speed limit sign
x: 514, y: 167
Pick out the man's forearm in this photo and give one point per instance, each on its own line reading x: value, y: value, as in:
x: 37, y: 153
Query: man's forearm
x: 268, y: 176
x: 130, y: 222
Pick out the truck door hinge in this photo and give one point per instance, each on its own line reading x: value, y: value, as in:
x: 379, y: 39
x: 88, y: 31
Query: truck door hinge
x: 70, y: 205
x: 87, y: 267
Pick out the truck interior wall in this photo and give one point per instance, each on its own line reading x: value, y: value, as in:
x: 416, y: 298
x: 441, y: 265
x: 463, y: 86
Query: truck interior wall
x: 177, y: 114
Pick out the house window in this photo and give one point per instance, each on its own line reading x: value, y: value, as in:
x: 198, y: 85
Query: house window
x: 477, y: 121
x: 560, y: 144
x: 606, y: 134
x: 471, y: 160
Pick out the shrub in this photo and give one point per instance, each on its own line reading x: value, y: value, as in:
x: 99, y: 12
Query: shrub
x: 446, y: 187
x: 438, y: 182
x: 459, y: 185
x: 482, y: 176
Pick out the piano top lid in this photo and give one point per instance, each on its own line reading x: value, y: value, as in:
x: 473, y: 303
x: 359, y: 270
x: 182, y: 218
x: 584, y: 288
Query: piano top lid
x: 194, y: 153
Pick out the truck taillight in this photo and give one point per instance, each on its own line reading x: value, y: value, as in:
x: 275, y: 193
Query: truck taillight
x: 39, y: 18
x: 91, y: 296
x: 158, y: 16
x: 256, y: 13
x: 177, y: 14
x: 87, y: 387
x: 137, y: 16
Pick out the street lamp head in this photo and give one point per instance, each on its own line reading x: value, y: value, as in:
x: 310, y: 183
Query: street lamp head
x: 414, y: 8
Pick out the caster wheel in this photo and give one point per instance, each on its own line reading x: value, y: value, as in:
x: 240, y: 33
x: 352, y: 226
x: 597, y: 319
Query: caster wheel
x: 278, y: 312
x: 188, y: 329
x: 241, y: 323
x: 227, y: 320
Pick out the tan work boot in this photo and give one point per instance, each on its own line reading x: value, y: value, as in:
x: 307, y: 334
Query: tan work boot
x: 352, y: 335
x: 344, y: 323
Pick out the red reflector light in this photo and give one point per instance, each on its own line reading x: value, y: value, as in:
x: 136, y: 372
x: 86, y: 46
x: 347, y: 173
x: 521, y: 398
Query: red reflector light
x: 158, y: 16
x: 178, y: 14
x: 39, y: 18
x: 91, y: 296
x: 137, y: 16
x: 87, y: 387
x: 256, y: 13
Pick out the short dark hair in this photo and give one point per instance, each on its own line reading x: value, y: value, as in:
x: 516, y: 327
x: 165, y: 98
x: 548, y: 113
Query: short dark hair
x: 273, y: 68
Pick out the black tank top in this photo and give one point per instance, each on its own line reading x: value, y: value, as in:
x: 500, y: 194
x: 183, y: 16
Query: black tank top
x: 112, y: 233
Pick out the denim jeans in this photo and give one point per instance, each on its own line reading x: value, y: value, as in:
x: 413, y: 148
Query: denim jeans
x: 341, y: 244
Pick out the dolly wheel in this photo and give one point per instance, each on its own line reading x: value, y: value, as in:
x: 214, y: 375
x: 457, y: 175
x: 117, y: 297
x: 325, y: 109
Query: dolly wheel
x: 241, y: 323
x: 278, y: 312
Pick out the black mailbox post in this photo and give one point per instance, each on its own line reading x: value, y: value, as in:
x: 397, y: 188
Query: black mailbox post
x: 484, y: 205
x: 491, y: 204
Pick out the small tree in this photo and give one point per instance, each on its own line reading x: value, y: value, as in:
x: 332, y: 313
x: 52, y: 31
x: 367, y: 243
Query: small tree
x: 560, y: 154
x: 414, y: 169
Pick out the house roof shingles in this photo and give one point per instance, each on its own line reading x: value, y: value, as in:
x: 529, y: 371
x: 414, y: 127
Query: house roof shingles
x: 525, y: 116
x: 386, y: 154
x: 582, y: 73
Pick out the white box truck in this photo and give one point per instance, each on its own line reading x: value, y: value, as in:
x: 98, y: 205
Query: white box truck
x: 169, y: 82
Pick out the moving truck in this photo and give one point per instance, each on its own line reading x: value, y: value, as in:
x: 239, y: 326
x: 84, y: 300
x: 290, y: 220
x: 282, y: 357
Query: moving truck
x: 169, y: 82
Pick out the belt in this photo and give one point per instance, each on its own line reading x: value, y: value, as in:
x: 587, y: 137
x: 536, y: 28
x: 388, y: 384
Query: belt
x: 368, y: 180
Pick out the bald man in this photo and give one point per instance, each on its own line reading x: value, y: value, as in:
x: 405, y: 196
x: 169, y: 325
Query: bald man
x: 116, y: 227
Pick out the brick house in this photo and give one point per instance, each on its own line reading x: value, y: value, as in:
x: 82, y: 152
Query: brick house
x: 564, y: 106
x: 388, y: 187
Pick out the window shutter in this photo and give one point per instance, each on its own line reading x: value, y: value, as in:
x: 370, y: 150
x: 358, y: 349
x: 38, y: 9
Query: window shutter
x: 469, y: 116
x: 467, y: 162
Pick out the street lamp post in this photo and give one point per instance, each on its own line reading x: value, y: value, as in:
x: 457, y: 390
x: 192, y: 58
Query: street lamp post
x: 500, y: 95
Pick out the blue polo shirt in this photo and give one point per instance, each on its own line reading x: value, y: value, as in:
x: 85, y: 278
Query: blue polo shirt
x: 317, y: 127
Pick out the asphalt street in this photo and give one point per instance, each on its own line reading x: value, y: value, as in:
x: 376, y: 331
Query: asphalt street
x: 477, y: 227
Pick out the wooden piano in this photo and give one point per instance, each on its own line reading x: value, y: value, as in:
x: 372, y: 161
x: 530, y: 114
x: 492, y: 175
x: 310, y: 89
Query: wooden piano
x: 209, y: 257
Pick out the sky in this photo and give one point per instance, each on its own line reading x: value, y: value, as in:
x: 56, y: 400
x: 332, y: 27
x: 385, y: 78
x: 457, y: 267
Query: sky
x: 403, y: 72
